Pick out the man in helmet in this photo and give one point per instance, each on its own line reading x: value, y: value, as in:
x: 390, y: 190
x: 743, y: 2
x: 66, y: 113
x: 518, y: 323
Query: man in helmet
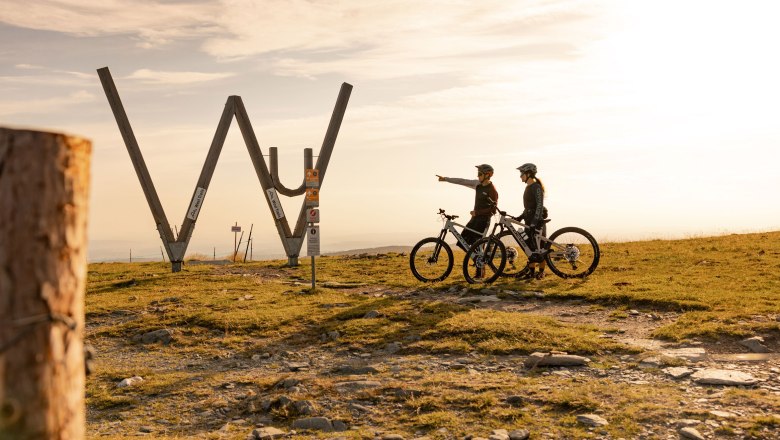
x: 483, y: 207
x: 534, y: 213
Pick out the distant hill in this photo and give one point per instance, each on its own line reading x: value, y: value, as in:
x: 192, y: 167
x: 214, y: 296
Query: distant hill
x: 372, y: 251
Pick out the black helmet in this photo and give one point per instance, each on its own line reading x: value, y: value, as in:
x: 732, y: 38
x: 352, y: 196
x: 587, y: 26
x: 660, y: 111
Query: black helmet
x: 527, y: 168
x: 484, y: 168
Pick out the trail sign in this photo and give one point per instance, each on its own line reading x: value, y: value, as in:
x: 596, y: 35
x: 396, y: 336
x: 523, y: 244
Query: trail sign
x: 313, y: 215
x: 235, y: 229
x: 313, y: 241
x: 312, y: 197
x: 312, y: 178
x: 276, y: 205
x: 197, y: 202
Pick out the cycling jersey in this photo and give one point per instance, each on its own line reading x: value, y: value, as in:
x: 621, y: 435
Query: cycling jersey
x: 484, y: 193
x: 533, y: 204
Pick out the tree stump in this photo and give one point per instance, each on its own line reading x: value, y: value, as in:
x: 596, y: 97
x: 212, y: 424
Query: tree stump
x: 44, y: 180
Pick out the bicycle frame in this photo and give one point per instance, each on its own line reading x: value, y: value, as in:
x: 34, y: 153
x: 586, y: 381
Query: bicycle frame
x: 506, y: 223
x: 449, y: 226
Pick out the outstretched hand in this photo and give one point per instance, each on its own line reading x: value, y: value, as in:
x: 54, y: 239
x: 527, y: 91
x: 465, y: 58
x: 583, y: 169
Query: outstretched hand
x: 441, y: 178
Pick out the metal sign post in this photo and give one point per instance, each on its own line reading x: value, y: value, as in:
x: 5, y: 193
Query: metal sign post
x: 313, y: 217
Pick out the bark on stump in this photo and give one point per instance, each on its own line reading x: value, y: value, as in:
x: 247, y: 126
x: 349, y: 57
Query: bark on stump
x: 44, y: 179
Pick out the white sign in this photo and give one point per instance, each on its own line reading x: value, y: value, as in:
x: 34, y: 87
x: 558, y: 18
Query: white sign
x: 313, y: 241
x: 197, y: 202
x: 276, y: 206
x: 313, y: 215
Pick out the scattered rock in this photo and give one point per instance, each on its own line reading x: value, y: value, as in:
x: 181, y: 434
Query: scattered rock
x: 304, y: 407
x: 392, y: 437
x: 723, y: 377
x: 371, y: 314
x: 314, y: 424
x: 392, y: 348
x: 678, y: 372
x: 358, y: 408
x: 478, y: 299
x: 515, y: 401
x: 723, y: 414
x: 130, y: 381
x: 163, y: 336
x: 266, y: 433
x: 755, y: 344
x: 298, y: 366
x: 146, y: 429
x: 693, y: 354
x: 339, y: 426
x: 650, y: 362
x: 357, y: 385
x: 354, y: 369
x: 592, y: 420
x: 330, y: 336
x: 554, y: 360
x: 288, y: 383
x: 691, y: 433
x: 499, y: 434
x: 519, y: 434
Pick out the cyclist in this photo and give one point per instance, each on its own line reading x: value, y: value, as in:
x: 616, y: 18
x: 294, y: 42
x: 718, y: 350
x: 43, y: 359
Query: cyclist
x: 534, y: 214
x: 483, y: 207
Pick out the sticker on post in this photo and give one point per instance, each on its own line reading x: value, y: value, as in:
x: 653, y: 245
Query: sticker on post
x: 312, y: 178
x: 197, y: 202
x: 276, y: 205
x: 313, y: 215
x: 312, y: 197
x: 313, y: 241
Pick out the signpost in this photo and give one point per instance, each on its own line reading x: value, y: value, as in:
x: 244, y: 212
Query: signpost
x: 235, y: 230
x: 313, y: 217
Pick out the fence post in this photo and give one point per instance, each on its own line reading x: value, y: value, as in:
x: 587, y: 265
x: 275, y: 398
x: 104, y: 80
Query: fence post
x: 44, y: 181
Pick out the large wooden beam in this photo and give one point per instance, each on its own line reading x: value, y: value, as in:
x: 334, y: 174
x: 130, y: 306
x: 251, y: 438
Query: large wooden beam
x: 44, y: 179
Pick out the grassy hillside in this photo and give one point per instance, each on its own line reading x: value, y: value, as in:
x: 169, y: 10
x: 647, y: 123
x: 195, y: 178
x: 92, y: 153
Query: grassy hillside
x: 238, y: 328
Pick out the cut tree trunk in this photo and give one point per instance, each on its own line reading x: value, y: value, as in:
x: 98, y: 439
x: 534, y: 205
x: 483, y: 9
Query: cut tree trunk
x: 44, y: 180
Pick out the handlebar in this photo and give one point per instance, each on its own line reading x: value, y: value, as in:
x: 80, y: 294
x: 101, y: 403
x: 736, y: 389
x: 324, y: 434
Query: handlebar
x: 447, y: 216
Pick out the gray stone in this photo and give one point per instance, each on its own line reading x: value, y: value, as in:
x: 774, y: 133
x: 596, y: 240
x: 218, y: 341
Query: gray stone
x: 164, y: 336
x: 519, y: 434
x: 372, y: 314
x: 130, y: 381
x: 592, y: 420
x: 755, y: 344
x: 393, y: 348
x: 304, y: 407
x: 499, y: 434
x: 355, y: 369
x: 691, y: 433
x: 723, y: 414
x: 478, y: 299
x: 554, y: 360
x: 678, y: 372
x: 693, y: 354
x: 650, y: 362
x: 515, y: 400
x: 267, y: 433
x: 392, y: 437
x: 146, y: 429
x: 357, y: 385
x: 297, y: 366
x: 289, y: 382
x: 358, y: 408
x: 723, y: 377
x: 314, y: 424
x: 339, y: 426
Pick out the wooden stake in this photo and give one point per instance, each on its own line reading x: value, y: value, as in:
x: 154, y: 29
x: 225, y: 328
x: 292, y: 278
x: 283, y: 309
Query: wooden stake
x: 44, y: 180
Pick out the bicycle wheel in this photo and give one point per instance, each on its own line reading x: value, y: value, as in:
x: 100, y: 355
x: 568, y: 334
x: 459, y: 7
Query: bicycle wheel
x: 573, y: 253
x: 484, y: 261
x: 431, y: 260
x: 517, y: 264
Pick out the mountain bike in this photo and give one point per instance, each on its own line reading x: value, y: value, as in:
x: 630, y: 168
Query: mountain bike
x: 431, y: 258
x: 570, y: 252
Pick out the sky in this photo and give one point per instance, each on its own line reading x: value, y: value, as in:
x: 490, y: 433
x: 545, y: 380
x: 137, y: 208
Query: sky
x: 646, y: 119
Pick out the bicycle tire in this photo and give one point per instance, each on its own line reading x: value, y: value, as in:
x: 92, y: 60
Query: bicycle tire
x: 512, y: 270
x: 483, y: 254
x: 578, y: 245
x: 419, y: 255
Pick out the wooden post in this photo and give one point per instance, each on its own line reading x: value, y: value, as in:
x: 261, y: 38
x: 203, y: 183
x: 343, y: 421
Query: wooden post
x: 44, y: 179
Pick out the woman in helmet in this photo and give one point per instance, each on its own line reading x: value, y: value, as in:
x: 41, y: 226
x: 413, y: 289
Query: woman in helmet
x: 484, y: 201
x: 534, y: 213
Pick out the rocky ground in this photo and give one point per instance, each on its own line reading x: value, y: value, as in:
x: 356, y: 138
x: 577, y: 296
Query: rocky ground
x: 328, y: 389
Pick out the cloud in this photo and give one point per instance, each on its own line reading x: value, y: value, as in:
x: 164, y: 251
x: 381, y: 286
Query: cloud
x: 46, y: 105
x: 157, y: 77
x: 153, y: 22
